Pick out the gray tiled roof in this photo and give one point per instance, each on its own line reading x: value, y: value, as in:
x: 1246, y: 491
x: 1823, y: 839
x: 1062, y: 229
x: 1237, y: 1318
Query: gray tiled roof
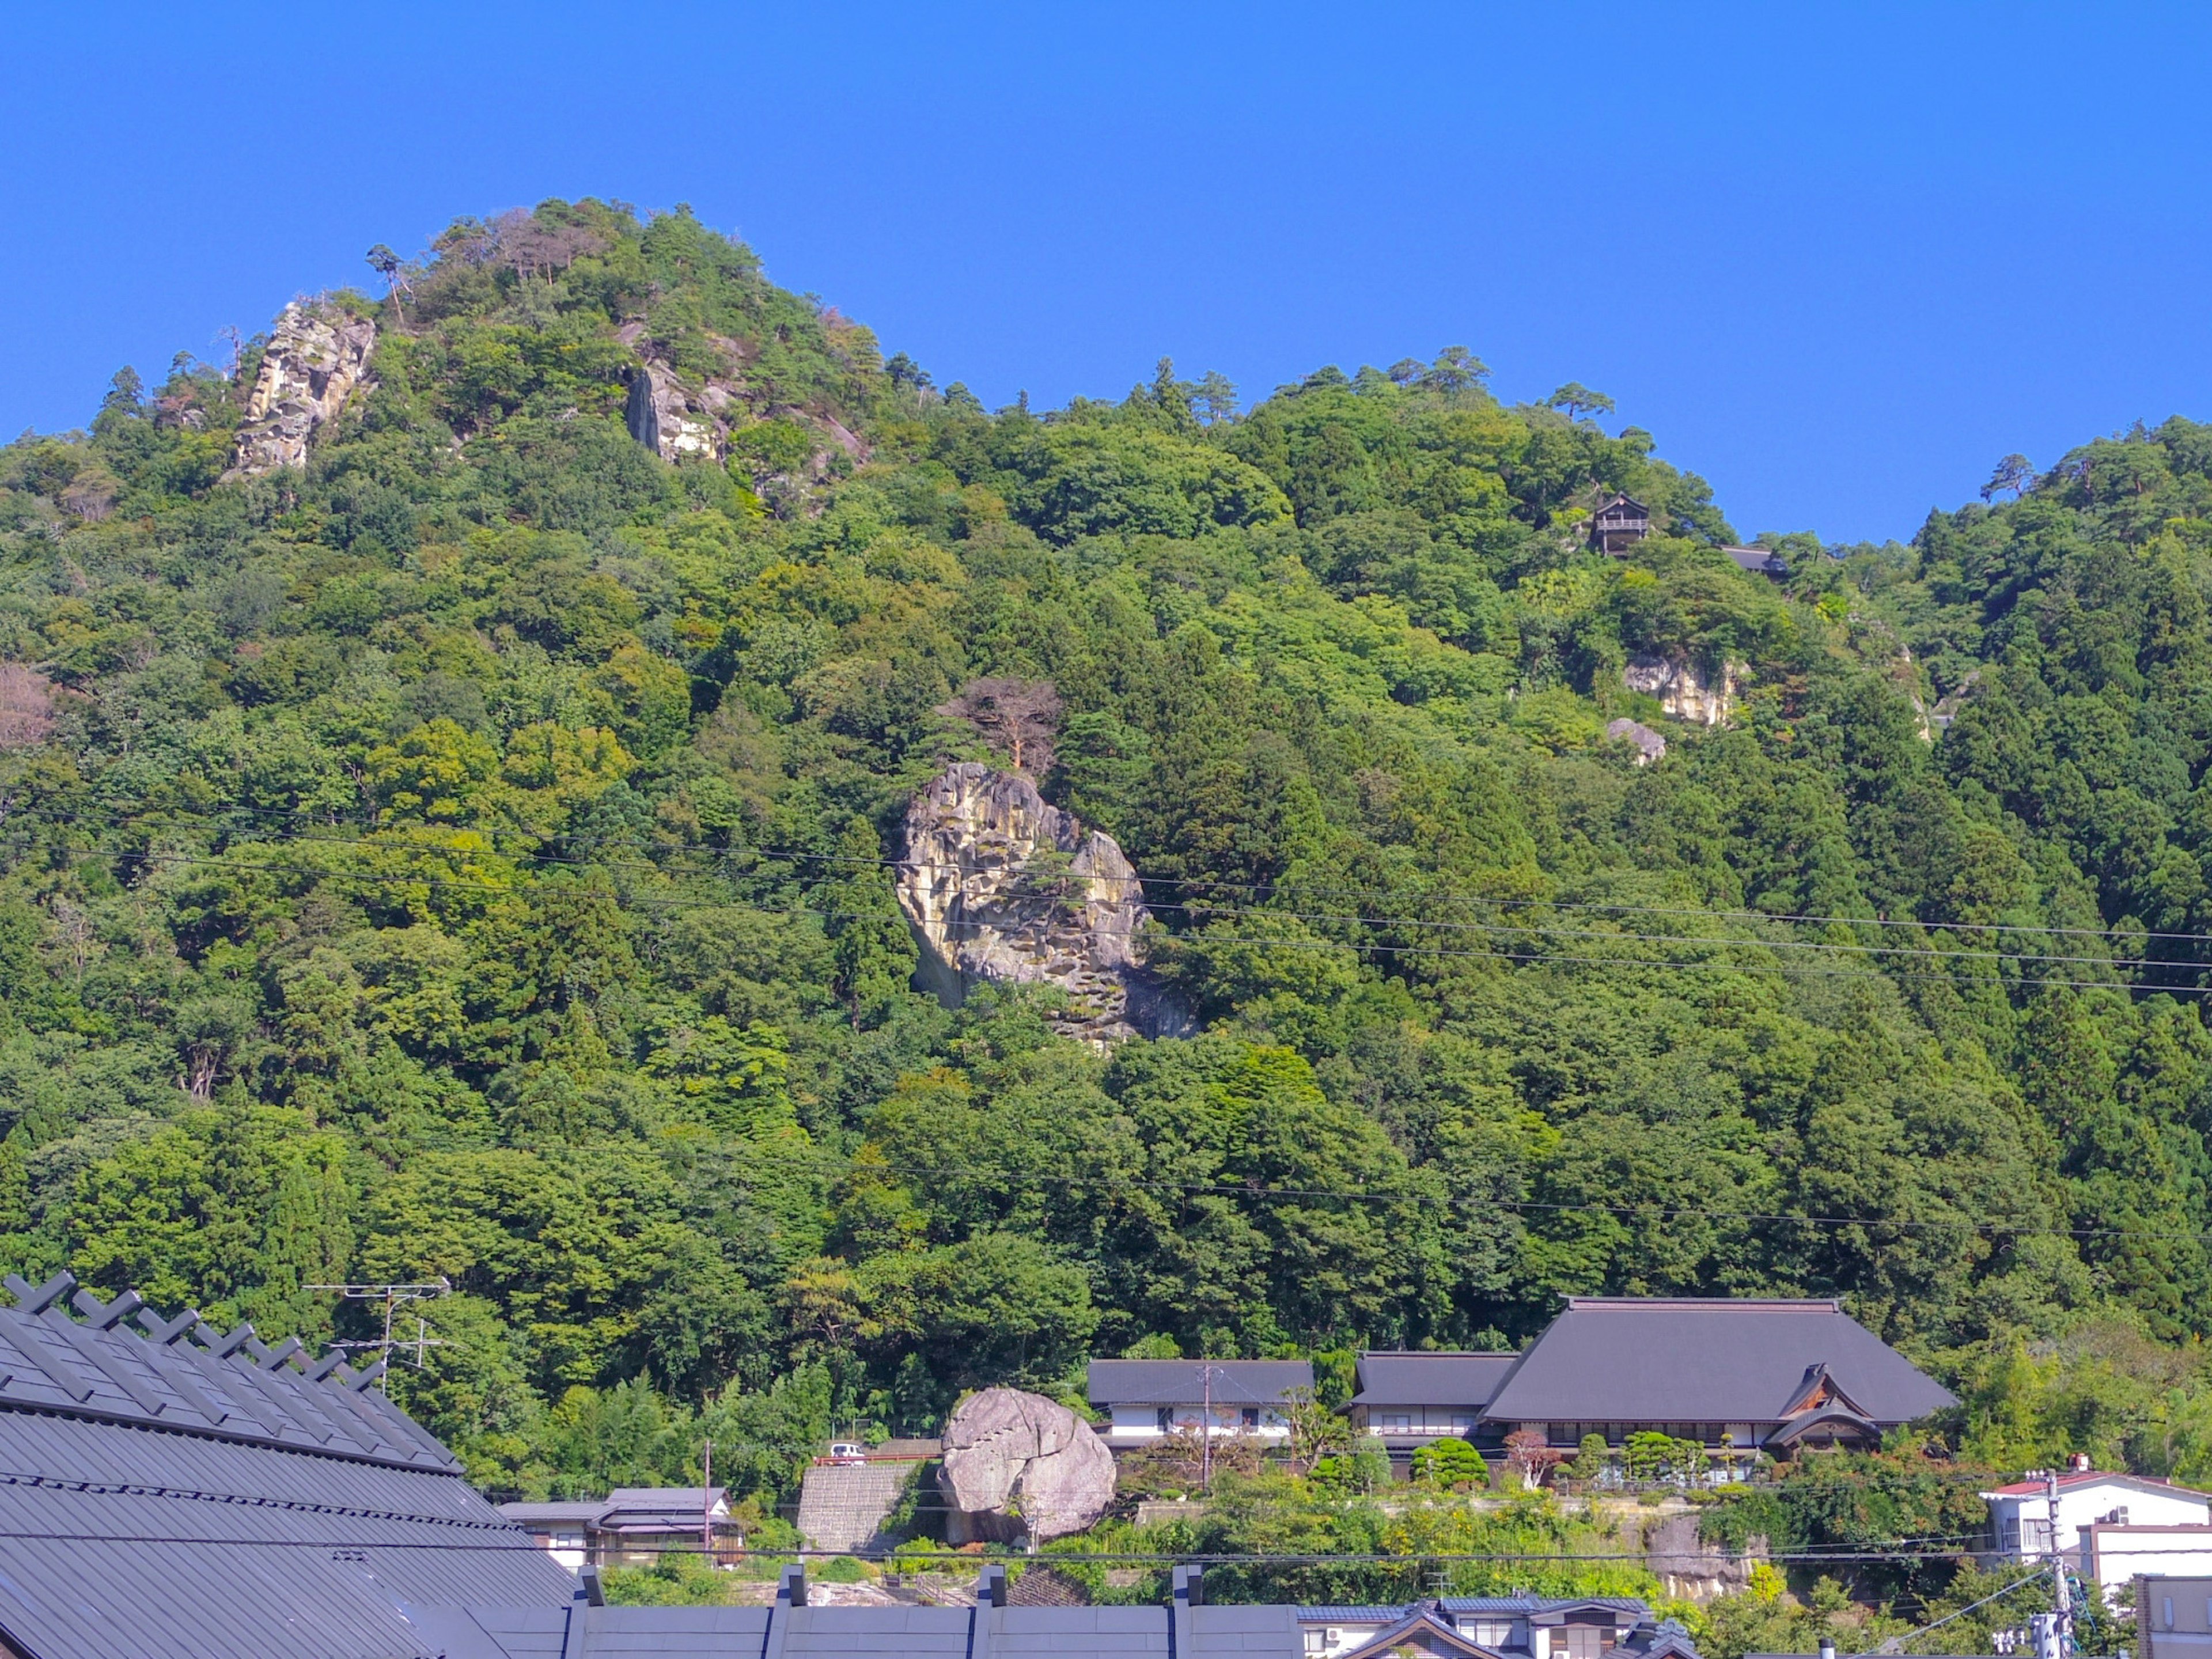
x: 1607, y: 1359
x: 159, y: 1498
x: 1431, y: 1379
x: 1180, y: 1382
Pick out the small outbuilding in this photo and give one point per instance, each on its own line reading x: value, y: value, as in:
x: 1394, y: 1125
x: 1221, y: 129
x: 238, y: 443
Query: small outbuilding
x: 1618, y: 525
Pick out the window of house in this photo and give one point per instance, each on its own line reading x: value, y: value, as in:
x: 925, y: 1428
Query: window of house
x: 1251, y: 1417
x: 1165, y: 1426
x: 1581, y: 1641
x: 1317, y: 1641
x: 1493, y: 1632
x: 1396, y: 1421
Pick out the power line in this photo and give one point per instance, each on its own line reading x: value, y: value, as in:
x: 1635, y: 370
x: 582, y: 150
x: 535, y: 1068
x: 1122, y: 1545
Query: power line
x: 1860, y: 1553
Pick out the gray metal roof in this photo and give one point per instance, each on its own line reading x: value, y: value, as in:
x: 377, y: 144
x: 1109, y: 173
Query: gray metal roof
x: 1189, y: 1629
x: 1430, y: 1379
x: 139, y: 1514
x: 1535, y: 1604
x: 1616, y: 1359
x: 184, y: 1374
x: 1181, y: 1381
x: 579, y: 1512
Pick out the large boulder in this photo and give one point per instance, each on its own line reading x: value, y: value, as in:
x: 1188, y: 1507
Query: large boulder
x: 317, y: 359
x: 1019, y: 1465
x: 1000, y: 885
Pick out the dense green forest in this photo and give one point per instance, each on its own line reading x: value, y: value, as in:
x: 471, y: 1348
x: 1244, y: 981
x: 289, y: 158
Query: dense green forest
x: 469, y: 856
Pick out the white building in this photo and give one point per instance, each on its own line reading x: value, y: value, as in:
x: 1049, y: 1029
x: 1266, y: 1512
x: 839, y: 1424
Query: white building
x: 2113, y: 1554
x: 1147, y: 1400
x: 2114, y: 1526
x: 631, y: 1526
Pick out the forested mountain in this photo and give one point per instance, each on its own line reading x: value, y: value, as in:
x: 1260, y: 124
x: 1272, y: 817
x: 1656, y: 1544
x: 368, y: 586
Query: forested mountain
x: 468, y: 855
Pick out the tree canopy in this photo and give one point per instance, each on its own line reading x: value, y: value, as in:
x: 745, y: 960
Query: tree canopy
x: 467, y: 855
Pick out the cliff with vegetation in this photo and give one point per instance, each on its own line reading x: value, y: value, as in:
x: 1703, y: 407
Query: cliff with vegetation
x: 456, y: 830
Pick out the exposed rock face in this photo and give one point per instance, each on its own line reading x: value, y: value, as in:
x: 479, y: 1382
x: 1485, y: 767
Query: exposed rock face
x: 1681, y: 691
x: 998, y: 886
x: 1649, y: 745
x: 661, y: 415
x: 314, y: 362
x: 1017, y: 1464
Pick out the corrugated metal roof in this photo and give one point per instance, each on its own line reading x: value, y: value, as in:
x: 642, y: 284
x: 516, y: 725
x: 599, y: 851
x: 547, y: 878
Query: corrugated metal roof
x: 1534, y: 1604
x: 1183, y: 1382
x: 135, y: 1519
x: 1431, y: 1379
x: 184, y: 1374
x: 1606, y: 1359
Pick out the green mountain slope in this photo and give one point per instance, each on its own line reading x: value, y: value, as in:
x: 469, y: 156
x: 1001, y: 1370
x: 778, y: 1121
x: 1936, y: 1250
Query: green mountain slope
x: 467, y: 855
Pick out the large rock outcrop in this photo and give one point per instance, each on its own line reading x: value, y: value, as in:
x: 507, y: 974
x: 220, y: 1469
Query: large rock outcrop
x: 316, y: 360
x: 661, y: 415
x: 1649, y: 745
x: 1684, y: 694
x: 998, y: 886
x: 1017, y: 1465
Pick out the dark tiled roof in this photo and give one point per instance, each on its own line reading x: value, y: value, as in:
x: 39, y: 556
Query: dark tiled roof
x: 1616, y: 1359
x: 1178, y: 1381
x: 1431, y: 1379
x: 1759, y: 561
x: 180, y: 1496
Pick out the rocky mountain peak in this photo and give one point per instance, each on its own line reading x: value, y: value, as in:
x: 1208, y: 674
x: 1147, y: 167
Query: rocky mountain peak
x: 316, y: 359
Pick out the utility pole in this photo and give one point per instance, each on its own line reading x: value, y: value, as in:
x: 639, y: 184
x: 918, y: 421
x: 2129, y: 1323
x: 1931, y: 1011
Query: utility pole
x: 2062, y: 1595
x: 2053, y: 1631
x: 706, y: 1502
x: 1205, y: 1430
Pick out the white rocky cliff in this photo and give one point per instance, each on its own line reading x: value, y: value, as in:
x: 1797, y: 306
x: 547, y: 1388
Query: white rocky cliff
x: 1683, y: 693
x: 1017, y: 1465
x: 998, y: 886
x: 316, y: 360
x: 659, y: 413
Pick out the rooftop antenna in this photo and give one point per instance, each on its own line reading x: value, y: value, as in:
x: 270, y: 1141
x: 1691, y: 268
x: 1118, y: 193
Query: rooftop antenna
x: 391, y: 1295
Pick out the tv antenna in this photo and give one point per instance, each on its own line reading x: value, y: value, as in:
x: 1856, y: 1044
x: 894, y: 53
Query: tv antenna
x: 391, y: 1295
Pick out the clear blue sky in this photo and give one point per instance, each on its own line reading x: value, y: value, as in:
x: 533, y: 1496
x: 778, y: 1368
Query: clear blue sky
x: 1838, y: 258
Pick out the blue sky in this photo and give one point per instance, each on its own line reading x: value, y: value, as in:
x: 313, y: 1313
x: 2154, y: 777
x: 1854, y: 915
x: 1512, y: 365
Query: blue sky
x: 1838, y: 258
